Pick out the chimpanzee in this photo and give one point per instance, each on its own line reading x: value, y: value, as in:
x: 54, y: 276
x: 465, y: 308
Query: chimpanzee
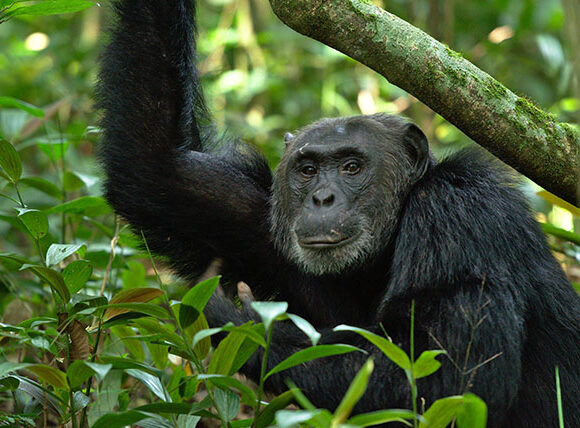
x: 358, y: 221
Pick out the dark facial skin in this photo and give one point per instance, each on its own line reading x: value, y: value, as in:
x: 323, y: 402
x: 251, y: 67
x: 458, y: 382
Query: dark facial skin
x: 339, y: 189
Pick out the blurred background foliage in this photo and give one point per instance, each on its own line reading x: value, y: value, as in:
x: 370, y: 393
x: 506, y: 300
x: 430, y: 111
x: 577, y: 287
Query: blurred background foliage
x: 261, y: 80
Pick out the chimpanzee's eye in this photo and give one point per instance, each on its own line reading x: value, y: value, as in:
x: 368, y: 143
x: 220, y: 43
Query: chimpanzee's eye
x: 308, y: 171
x: 352, y: 167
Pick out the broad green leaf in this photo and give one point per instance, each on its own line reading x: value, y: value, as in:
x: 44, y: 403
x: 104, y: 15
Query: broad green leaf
x: 248, y: 395
x: 395, y: 354
x: 473, y: 412
x: 309, y: 354
x: 91, y: 206
x: 56, y: 253
x: 201, y: 349
x: 268, y: 311
x: 441, y: 412
x: 151, y: 382
x: 225, y: 354
x: 227, y: 403
x: 246, y: 350
x: 80, y: 401
x: 76, y: 274
x: 142, y: 308
x: 159, y: 354
x: 35, y: 221
x: 135, y: 295
x: 52, y: 278
x: 10, y: 162
x: 72, y: 182
x: 9, y: 383
x: 8, y: 367
x: 48, y: 374
x: 354, y: 393
x: 131, y: 342
x: 45, y: 8
x: 53, y: 147
x: 42, y: 185
x: 380, y: 417
x: 306, y: 328
x: 120, y: 420
x: 21, y: 105
x: 151, y: 326
x: 135, y: 276
x: 195, y: 300
x: 268, y: 414
x: 79, y: 371
x: 426, y: 364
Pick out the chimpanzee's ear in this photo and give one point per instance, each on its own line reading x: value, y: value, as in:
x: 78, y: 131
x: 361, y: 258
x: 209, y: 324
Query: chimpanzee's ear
x: 418, y: 148
x: 288, y: 137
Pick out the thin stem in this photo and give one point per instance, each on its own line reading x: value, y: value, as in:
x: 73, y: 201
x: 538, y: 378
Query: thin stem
x: 412, y: 353
x: 559, y: 399
x: 20, y: 200
x: 263, y: 374
x: 111, y: 257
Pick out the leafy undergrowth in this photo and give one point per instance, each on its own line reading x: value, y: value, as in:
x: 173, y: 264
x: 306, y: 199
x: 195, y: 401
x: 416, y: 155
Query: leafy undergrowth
x: 92, y: 334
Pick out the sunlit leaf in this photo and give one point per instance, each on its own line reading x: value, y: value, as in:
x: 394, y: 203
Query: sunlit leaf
x: 135, y: 295
x: 380, y: 417
x: 91, y: 206
x: 312, y: 353
x: 354, y: 393
x: 441, y: 412
x: 268, y: 311
x: 42, y: 185
x: 151, y: 382
x: 426, y: 364
x: 473, y: 412
x: 56, y: 253
x: 306, y: 328
x: 268, y: 414
x: 395, y: 354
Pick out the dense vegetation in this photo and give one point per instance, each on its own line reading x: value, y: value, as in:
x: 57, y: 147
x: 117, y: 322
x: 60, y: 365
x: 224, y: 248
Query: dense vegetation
x: 88, y: 316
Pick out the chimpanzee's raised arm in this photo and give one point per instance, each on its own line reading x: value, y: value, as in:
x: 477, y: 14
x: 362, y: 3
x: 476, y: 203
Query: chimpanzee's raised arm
x: 194, y: 197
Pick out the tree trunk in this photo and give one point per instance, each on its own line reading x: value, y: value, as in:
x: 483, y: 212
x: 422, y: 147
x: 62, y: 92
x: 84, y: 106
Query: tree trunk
x: 511, y: 127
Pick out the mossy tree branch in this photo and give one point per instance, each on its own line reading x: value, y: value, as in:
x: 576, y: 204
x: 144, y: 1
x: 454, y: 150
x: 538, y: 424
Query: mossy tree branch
x: 523, y: 136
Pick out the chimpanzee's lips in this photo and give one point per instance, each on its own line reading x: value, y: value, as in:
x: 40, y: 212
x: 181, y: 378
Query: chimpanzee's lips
x: 326, y: 241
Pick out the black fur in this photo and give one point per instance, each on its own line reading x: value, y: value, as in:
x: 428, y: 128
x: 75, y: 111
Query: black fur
x: 486, y: 287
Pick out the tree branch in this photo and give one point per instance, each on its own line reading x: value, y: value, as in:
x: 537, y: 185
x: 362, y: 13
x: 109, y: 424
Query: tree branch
x: 523, y: 136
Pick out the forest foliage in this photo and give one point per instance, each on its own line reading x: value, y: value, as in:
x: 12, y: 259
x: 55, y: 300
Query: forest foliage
x: 93, y: 326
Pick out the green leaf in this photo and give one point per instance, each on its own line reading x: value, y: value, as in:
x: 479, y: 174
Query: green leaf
x: 8, y: 367
x: 248, y: 395
x: 53, y: 147
x: 79, y: 371
x: 380, y: 417
x: 225, y: 354
x: 120, y: 420
x: 354, y: 393
x: 195, y: 300
x: 309, y: 354
x: 268, y: 311
x: 129, y: 339
x: 72, y: 182
x: 201, y: 349
x: 268, y: 414
x: 52, y: 278
x: 49, y: 374
x: 76, y: 274
x: 473, y: 412
x: 9, y: 383
x: 10, y: 162
x: 45, y: 8
x: 91, y: 206
x: 426, y: 364
x: 395, y: 354
x: 135, y: 295
x: 21, y: 105
x: 441, y: 412
x: 151, y: 382
x: 293, y: 418
x: 306, y: 328
x: 142, y: 308
x: 56, y: 253
x: 42, y: 185
x: 227, y: 403
x: 36, y: 222
x: 154, y: 326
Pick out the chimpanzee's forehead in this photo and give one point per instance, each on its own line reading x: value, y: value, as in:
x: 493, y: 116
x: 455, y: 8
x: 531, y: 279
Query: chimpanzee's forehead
x: 359, y: 131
